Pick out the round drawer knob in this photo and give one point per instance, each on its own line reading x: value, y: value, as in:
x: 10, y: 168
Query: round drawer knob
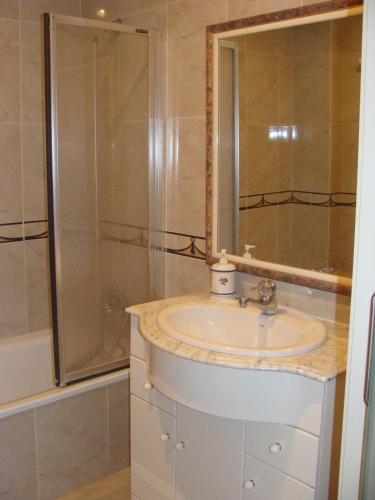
x: 180, y: 445
x: 147, y: 386
x: 165, y: 436
x: 249, y: 484
x: 274, y: 447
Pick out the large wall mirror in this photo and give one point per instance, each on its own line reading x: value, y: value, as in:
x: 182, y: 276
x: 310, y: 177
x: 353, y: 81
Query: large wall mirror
x: 283, y: 114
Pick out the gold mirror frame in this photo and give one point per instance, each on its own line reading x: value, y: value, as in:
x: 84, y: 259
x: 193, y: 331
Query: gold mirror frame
x: 300, y: 15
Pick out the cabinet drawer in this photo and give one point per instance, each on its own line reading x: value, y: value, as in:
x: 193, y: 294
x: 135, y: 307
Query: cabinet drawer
x: 140, y: 387
x: 153, y: 434
x: 286, y: 448
x: 262, y: 482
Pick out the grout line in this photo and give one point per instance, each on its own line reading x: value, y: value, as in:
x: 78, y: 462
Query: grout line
x: 19, y: 20
x: 36, y: 453
x: 166, y: 150
x: 108, y: 453
x: 124, y: 16
x: 22, y: 169
x: 17, y: 123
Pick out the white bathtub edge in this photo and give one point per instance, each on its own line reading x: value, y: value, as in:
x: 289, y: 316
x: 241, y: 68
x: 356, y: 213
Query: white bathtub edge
x: 47, y: 397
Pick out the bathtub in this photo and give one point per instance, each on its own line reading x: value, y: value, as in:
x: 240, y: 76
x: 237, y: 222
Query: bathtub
x: 26, y: 377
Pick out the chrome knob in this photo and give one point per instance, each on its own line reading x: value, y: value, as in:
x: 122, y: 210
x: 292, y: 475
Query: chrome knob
x: 274, y: 447
x: 243, y: 301
x: 147, y: 386
x: 267, y: 287
x: 179, y: 446
x: 249, y: 484
x: 165, y: 436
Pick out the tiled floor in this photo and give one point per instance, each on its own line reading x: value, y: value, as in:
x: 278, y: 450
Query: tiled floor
x: 113, y: 487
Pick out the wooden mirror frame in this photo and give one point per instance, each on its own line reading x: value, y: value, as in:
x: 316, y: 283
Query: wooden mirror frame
x: 289, y: 274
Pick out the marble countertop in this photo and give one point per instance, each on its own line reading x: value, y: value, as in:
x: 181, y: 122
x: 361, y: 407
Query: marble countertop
x: 322, y: 364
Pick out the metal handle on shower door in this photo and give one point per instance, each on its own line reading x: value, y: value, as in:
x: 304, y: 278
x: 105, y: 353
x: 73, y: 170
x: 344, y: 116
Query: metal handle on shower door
x: 370, y: 342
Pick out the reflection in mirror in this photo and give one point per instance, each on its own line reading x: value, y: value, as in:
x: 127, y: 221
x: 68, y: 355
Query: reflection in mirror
x: 288, y: 139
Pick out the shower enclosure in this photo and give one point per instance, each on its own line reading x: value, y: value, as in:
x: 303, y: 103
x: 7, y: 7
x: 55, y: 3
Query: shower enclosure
x: 104, y: 181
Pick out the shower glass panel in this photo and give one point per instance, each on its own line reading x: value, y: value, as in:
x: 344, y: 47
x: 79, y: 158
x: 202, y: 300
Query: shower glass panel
x: 99, y: 82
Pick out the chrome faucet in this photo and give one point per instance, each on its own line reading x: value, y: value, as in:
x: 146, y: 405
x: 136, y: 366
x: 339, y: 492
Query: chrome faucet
x: 266, y: 299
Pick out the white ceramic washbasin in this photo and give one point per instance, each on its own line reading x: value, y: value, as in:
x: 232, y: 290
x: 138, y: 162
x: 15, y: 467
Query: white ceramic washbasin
x: 242, y: 331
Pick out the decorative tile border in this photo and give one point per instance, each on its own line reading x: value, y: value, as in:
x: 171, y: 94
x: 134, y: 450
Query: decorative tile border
x: 296, y: 197
x: 127, y: 234
x: 23, y: 231
x: 185, y: 245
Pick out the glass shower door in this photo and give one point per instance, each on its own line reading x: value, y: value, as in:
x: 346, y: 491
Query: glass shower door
x: 98, y: 134
x: 368, y: 459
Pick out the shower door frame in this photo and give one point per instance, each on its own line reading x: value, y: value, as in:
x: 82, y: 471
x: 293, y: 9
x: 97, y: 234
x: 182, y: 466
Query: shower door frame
x: 156, y: 240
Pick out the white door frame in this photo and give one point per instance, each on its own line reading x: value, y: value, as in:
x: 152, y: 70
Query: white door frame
x: 363, y: 271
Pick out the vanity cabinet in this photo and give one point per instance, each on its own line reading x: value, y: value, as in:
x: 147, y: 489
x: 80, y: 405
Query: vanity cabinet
x: 182, y: 453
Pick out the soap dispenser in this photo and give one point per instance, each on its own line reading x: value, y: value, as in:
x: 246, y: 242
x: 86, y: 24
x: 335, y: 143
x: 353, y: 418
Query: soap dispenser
x: 223, y: 276
x: 247, y: 253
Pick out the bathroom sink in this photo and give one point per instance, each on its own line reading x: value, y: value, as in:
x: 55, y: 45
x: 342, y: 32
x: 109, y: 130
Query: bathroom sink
x: 242, y: 331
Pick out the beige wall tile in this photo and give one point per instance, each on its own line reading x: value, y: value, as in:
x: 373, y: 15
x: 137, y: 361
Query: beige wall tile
x: 349, y: 156
x: 186, y: 88
x: 128, y: 7
x: 310, y: 240
x: 34, y: 172
x: 151, y: 18
x: 311, y: 155
x: 285, y: 165
x: 346, y: 239
x: 262, y: 231
x: 10, y: 174
x: 18, y: 473
x: 132, y: 143
x: 246, y: 8
x: 71, y: 443
x: 32, y: 78
x: 108, y: 170
x: 95, y: 8
x: 350, y: 86
x: 262, y: 154
x: 185, y: 187
x: 336, y: 159
x: 189, y: 18
x: 10, y: 71
x: 311, y: 81
x: 9, y: 9
x: 119, y: 426
x: 284, y: 42
x: 13, y: 305
x: 312, y: 39
x: 133, y: 275
x: 37, y: 279
x: 185, y: 275
x: 132, y: 85
x: 32, y: 10
x: 284, y: 90
x: 261, y: 82
x: 284, y: 233
x: 265, y: 41
x: 348, y: 34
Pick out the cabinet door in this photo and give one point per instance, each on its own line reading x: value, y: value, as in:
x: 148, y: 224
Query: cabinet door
x: 209, y: 456
x: 152, y: 450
